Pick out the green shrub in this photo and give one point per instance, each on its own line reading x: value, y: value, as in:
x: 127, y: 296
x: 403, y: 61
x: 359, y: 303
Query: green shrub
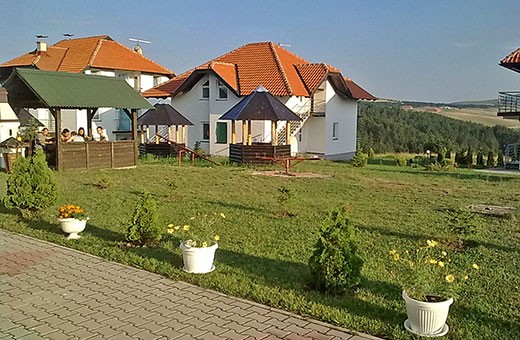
x: 400, y: 161
x: 144, y: 228
x: 360, y: 159
x: 480, y: 159
x: 448, y: 154
x: 469, y: 158
x: 461, y: 223
x: 460, y: 158
x: 31, y: 186
x: 335, y: 266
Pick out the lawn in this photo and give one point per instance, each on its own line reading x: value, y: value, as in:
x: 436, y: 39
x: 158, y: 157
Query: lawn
x: 263, y: 256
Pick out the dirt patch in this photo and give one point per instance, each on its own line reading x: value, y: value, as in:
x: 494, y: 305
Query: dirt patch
x: 291, y: 175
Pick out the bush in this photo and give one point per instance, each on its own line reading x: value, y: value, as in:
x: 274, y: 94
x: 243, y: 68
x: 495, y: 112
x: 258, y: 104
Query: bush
x: 448, y: 154
x: 335, y: 266
x: 143, y: 228
x: 360, y: 159
x: 31, y: 186
x: 400, y: 161
x: 480, y: 159
x: 500, y: 160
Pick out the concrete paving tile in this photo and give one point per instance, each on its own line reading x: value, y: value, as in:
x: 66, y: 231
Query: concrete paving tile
x: 233, y: 335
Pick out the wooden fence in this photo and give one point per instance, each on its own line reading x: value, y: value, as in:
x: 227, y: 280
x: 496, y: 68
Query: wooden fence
x: 97, y: 155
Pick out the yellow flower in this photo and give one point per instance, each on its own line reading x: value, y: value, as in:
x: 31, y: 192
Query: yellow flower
x: 204, y: 244
x: 170, y: 225
x: 440, y: 264
x: 444, y: 253
x: 186, y: 227
x: 396, y: 257
x: 411, y: 264
x: 170, y: 231
x: 222, y: 215
x: 475, y: 266
x: 431, y: 243
x: 450, y: 278
x: 217, y: 238
x: 433, y: 261
x: 177, y: 227
x: 393, y: 252
x: 465, y: 277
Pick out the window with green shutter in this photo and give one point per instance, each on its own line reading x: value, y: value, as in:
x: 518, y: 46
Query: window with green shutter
x: 221, y: 133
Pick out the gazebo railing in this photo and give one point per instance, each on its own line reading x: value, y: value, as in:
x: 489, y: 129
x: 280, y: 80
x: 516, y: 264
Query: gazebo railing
x: 304, y: 112
x: 509, y: 103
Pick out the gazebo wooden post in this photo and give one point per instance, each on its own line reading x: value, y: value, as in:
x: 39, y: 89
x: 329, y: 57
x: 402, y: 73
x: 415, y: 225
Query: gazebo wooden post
x: 134, y: 135
x: 147, y: 133
x: 273, y: 132
x: 244, y: 132
x: 184, y: 137
x: 233, y: 132
x: 249, y: 134
x: 156, y: 136
x: 57, y: 127
x: 142, y: 134
x: 177, y: 134
x: 288, y: 132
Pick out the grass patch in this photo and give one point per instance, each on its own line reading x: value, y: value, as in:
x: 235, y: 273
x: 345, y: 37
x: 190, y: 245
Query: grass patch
x: 263, y: 257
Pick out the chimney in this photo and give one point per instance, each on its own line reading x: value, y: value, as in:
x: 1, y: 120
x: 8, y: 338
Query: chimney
x: 41, y: 47
x: 41, y: 44
x: 138, y: 49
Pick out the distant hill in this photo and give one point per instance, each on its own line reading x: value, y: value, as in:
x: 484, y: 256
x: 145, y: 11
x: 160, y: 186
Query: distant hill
x: 387, y: 127
x: 482, y: 104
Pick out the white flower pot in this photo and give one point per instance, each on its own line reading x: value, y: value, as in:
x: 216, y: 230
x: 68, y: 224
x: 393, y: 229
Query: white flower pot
x: 426, y: 318
x: 198, y: 260
x: 72, y: 226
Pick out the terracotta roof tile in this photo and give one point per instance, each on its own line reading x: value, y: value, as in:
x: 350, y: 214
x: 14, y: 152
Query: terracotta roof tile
x: 76, y: 55
x: 245, y: 68
x: 512, y: 58
x: 312, y: 74
x: 357, y: 91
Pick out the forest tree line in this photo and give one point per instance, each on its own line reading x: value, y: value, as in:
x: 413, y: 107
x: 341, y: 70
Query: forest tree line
x: 388, y: 128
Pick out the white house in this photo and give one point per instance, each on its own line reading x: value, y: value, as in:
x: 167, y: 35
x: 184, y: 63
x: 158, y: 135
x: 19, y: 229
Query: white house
x: 324, y: 99
x: 99, y: 55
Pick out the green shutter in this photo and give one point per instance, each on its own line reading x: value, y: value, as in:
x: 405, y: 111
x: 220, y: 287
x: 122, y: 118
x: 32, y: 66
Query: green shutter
x: 221, y: 133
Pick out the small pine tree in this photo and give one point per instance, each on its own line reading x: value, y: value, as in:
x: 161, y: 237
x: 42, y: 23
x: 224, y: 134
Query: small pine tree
x: 490, y: 159
x: 31, y: 186
x: 460, y: 158
x: 480, y: 159
x: 143, y: 228
x: 469, y: 158
x: 440, y: 155
x: 360, y: 159
x: 500, y: 159
x: 335, y: 266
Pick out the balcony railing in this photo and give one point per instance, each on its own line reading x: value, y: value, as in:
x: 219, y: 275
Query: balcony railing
x: 509, y: 103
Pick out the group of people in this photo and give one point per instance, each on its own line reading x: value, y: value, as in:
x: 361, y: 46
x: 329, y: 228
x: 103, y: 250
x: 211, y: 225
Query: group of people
x: 42, y: 139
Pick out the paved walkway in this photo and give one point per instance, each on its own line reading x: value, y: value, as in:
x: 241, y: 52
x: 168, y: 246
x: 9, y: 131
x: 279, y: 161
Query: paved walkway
x: 51, y: 292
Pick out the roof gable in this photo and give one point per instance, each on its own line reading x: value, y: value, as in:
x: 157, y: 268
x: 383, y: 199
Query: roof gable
x: 266, y: 64
x: 76, y: 55
x: 512, y: 61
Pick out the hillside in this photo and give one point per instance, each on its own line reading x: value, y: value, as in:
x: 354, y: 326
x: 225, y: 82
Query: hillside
x: 389, y: 128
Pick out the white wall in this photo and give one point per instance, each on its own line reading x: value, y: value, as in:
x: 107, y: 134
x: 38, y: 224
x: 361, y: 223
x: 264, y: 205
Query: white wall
x: 343, y: 111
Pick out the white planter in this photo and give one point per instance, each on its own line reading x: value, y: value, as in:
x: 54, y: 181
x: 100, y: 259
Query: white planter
x: 198, y: 260
x: 72, y: 226
x: 426, y: 318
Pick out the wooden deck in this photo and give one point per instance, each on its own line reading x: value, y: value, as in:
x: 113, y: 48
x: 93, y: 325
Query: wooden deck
x: 257, y: 152
x: 97, y: 155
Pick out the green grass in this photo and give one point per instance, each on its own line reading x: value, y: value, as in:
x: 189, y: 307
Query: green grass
x: 263, y: 257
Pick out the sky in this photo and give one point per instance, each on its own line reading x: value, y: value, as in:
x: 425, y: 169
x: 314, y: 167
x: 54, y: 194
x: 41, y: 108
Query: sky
x: 423, y: 50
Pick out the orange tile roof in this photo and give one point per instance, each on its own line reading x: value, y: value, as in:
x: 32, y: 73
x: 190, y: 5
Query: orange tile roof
x: 357, y: 91
x: 245, y: 68
x: 76, y: 55
x: 512, y: 58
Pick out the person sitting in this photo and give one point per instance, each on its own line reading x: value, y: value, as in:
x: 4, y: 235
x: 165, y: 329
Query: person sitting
x: 81, y: 132
x: 40, y: 142
x: 65, y: 135
x: 75, y: 137
x: 101, y: 135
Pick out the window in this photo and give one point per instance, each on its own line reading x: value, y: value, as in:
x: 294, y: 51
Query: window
x: 300, y: 135
x: 156, y: 80
x: 205, y: 90
x: 221, y: 133
x: 335, y: 130
x: 205, y: 131
x: 222, y: 90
